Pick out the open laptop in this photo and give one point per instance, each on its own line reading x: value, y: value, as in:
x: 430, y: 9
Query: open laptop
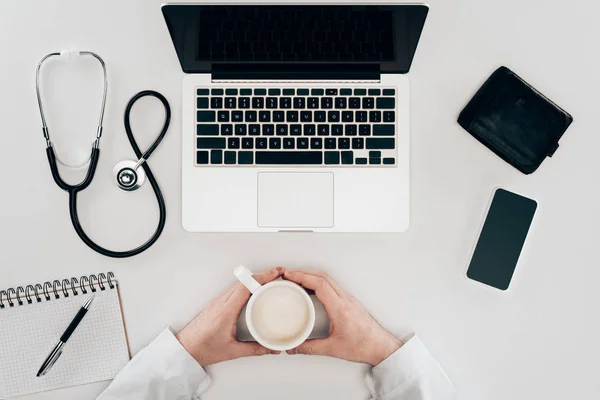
x: 295, y: 117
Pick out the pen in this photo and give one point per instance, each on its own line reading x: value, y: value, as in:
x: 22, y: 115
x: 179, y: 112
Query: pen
x: 57, y: 350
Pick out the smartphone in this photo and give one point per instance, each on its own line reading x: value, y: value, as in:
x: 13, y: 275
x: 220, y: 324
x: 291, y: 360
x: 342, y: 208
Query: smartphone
x: 501, y: 239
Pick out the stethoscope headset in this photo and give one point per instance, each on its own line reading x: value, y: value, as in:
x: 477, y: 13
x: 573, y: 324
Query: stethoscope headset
x: 129, y: 174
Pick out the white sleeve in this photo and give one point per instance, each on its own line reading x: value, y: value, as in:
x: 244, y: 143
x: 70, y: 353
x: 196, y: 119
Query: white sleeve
x: 411, y: 373
x: 163, y: 370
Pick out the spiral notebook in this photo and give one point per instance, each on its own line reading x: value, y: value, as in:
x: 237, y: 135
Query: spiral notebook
x: 32, y: 319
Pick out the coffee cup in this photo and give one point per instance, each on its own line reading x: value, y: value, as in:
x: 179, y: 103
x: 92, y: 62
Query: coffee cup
x: 280, y: 315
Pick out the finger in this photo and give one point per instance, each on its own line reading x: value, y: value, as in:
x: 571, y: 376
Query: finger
x: 251, y: 350
x: 338, y: 289
x: 323, y: 289
x: 240, y: 295
x: 317, y: 347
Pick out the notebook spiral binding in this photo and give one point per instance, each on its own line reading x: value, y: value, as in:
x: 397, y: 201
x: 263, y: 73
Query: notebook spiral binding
x: 66, y: 286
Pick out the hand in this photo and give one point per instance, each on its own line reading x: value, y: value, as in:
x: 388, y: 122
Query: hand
x: 354, y: 335
x: 211, y: 336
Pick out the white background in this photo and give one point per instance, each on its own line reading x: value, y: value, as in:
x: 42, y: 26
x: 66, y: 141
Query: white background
x: 538, y: 340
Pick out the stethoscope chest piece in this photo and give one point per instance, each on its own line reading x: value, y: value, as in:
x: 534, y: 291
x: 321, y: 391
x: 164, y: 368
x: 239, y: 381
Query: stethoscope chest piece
x: 128, y: 175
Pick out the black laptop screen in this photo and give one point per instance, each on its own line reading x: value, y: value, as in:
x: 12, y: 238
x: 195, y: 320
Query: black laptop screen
x: 205, y: 35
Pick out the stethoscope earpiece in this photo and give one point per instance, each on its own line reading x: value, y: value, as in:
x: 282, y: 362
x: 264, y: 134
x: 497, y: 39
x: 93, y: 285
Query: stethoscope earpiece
x: 128, y: 175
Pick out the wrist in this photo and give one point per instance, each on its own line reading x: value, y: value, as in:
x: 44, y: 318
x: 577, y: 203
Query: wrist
x: 386, y: 349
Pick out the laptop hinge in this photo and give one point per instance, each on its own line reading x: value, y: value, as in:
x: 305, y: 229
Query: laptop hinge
x: 301, y: 71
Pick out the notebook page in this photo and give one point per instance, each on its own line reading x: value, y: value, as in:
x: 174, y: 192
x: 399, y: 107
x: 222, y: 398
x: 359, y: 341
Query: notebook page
x: 96, y: 351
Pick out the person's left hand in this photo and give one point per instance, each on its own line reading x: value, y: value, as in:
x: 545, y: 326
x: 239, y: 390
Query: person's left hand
x: 211, y: 337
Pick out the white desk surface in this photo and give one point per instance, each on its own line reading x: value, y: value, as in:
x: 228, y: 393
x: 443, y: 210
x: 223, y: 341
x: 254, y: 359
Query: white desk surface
x: 537, y: 341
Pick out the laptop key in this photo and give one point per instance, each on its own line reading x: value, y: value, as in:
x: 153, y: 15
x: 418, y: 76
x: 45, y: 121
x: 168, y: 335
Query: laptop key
x: 285, y: 102
x: 216, y: 102
x: 244, y: 102
x: 384, y: 130
x: 289, y: 143
x: 231, y: 92
x: 210, y: 143
x: 292, y: 116
x: 230, y: 102
x: 260, y: 92
x: 247, y: 143
x: 361, y: 161
x: 281, y: 130
x: 374, y: 116
x: 313, y: 102
x: 331, y: 92
x: 240, y: 129
x: 246, y: 92
x: 389, y: 161
x: 207, y: 129
x: 347, y: 116
x: 202, y: 157
x: 364, y: 130
x: 376, y: 161
x: 346, y: 92
x: 347, y: 157
x: 323, y: 130
x: 274, y: 92
x: 202, y: 92
x: 302, y: 92
x: 251, y: 116
x: 278, y: 116
x: 261, y: 143
x: 217, y: 92
x: 268, y: 129
x: 333, y: 116
x: 271, y: 102
x: 202, y: 102
x: 245, y: 157
x: 254, y: 129
x: 302, y: 143
x: 226, y: 130
x: 354, y: 102
x: 389, y: 116
x: 289, y: 157
x: 316, y: 143
x: 340, y: 102
x: 289, y: 92
x: 299, y: 102
x: 317, y: 92
x: 361, y: 116
x: 374, y: 92
x: 264, y: 116
x: 274, y: 143
x: 230, y: 157
x: 360, y: 92
x: 296, y: 130
x: 337, y: 130
x: 237, y: 116
x: 389, y: 92
x: 351, y: 130
x: 332, y: 157
x: 386, y: 102
x: 205, y: 116
x: 306, y: 116
x: 358, y: 143
x: 326, y: 102
x: 330, y: 143
x: 374, y: 154
x: 344, y: 143
x: 378, y: 143
x: 320, y: 116
x: 309, y: 130
x: 223, y: 116
x: 233, y: 143
x: 258, y: 102
x: 216, y: 156
x: 368, y: 102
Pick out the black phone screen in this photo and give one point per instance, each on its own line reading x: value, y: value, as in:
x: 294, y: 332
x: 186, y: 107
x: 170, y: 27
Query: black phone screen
x: 501, y: 239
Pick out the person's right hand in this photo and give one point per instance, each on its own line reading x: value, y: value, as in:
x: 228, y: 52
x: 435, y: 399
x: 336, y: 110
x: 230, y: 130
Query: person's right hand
x: 354, y: 335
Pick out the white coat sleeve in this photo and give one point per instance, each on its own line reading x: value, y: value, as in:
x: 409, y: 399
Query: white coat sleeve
x: 163, y: 370
x: 411, y: 373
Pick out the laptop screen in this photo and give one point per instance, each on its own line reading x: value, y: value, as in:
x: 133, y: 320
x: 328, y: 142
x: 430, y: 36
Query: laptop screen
x: 206, y: 36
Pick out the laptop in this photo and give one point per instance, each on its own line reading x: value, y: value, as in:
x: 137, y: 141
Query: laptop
x: 295, y: 117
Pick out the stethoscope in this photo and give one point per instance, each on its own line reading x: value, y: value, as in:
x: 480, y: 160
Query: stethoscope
x: 128, y: 174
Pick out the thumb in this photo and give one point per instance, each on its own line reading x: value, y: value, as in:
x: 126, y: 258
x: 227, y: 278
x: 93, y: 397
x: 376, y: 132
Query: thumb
x: 252, y: 350
x: 317, y: 347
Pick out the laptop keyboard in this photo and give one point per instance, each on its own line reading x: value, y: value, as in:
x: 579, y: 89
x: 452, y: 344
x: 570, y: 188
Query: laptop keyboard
x: 296, y: 127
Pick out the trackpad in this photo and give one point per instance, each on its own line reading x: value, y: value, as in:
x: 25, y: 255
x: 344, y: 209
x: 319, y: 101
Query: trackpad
x: 295, y: 200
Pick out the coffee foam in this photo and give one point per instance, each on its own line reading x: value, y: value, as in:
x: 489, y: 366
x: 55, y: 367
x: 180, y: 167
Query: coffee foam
x: 280, y: 314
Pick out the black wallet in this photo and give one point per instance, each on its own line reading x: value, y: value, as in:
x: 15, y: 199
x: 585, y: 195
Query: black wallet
x: 515, y: 121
